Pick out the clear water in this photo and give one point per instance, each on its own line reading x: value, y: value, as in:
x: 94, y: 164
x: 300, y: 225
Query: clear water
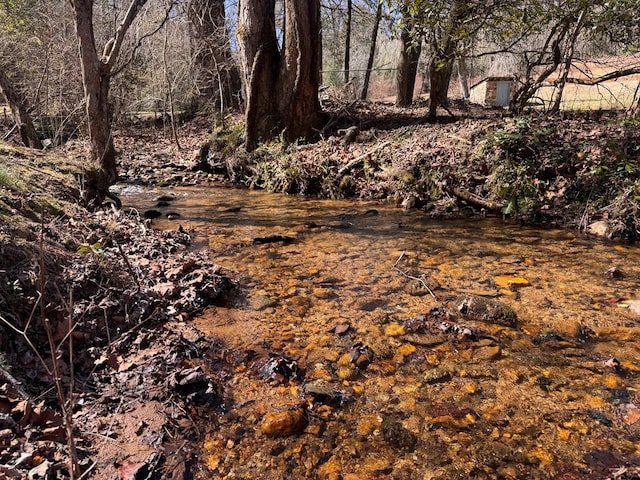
x: 534, y: 401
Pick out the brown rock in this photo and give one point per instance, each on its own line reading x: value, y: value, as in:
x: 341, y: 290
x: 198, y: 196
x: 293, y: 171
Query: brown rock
x: 486, y: 310
x: 487, y: 353
x: 284, y: 424
x: 600, y: 228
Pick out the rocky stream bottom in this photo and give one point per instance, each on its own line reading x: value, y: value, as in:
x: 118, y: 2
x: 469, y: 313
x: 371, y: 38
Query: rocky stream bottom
x: 352, y: 345
x: 367, y: 342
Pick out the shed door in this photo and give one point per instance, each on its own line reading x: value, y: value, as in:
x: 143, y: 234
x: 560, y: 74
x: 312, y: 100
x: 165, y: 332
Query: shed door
x: 503, y: 93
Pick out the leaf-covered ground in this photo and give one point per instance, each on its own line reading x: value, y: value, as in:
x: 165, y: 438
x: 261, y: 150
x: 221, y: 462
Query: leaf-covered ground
x: 115, y: 294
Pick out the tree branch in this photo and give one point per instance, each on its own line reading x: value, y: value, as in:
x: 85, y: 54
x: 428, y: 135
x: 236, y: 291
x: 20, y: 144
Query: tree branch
x: 608, y: 76
x: 124, y: 65
x: 112, y: 51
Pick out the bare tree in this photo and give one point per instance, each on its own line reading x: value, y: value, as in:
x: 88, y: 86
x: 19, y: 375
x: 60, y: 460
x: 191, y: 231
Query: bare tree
x: 347, y: 42
x: 20, y: 112
x: 372, y: 51
x: 540, y: 64
x: 216, y: 75
x: 97, y: 72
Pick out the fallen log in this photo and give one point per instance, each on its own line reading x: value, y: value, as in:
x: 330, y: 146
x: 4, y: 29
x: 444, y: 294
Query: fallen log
x: 360, y: 158
x: 477, y: 200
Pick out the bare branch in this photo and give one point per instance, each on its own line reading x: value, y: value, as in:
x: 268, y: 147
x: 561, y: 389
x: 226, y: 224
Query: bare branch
x: 608, y: 76
x: 132, y: 55
x: 112, y: 51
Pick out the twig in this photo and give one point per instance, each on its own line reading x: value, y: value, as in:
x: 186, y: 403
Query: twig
x: 88, y: 470
x: 65, y: 400
x: 129, y: 267
x: 26, y: 339
x: 418, y: 279
x: 113, y: 419
x: 14, y: 383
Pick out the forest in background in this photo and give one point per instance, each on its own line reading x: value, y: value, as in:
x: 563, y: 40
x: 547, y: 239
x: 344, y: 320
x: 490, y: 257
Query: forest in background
x: 176, y: 58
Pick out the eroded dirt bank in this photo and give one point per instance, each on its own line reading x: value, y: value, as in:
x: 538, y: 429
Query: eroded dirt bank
x: 116, y: 295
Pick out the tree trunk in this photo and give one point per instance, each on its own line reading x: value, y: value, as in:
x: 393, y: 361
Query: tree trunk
x: 20, y: 113
x: 550, y: 56
x: 443, y: 55
x: 216, y: 74
x: 372, y: 52
x: 407, y: 67
x: 281, y: 89
x: 463, y: 77
x: 347, y: 42
x: 260, y: 60
x: 300, y: 70
x: 566, y: 65
x: 440, y: 69
x: 96, y: 80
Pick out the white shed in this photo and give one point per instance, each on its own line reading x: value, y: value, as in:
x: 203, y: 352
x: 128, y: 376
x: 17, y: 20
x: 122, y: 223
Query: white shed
x: 492, y: 91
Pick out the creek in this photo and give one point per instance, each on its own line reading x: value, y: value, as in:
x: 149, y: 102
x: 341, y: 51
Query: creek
x: 351, y: 354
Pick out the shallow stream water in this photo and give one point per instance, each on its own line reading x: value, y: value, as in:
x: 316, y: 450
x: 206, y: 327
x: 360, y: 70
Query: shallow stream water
x: 385, y: 393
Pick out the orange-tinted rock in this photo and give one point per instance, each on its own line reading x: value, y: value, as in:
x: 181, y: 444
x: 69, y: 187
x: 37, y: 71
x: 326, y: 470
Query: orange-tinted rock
x: 284, y: 424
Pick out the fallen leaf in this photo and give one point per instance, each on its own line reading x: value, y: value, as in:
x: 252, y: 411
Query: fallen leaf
x: 128, y: 470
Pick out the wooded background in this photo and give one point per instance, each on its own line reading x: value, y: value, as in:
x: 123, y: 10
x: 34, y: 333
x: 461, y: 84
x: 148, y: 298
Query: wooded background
x: 76, y: 66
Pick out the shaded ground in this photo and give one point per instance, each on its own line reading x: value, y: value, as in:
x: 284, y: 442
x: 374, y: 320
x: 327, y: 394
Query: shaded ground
x: 115, y: 294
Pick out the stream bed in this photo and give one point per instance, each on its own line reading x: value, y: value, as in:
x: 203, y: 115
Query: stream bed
x: 370, y: 342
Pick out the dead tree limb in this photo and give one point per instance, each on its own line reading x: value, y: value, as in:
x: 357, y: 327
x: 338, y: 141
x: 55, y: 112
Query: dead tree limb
x: 361, y: 158
x: 477, y: 200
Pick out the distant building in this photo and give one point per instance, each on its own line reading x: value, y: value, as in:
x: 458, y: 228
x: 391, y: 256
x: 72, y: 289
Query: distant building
x: 492, y: 91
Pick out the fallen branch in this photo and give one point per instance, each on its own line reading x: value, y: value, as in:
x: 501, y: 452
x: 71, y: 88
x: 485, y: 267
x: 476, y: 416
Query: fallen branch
x: 360, y: 158
x: 14, y: 383
x: 417, y: 279
x: 477, y: 200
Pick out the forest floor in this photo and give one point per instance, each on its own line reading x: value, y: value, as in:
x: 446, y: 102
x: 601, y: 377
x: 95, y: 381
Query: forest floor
x: 118, y: 293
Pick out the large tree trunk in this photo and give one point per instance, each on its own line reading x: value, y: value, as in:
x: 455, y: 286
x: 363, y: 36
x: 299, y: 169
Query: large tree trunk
x: 372, y: 52
x: 216, y: 74
x: 260, y: 60
x: 443, y: 55
x: 281, y: 89
x: 440, y: 69
x: 407, y: 67
x: 300, y: 70
x: 20, y: 113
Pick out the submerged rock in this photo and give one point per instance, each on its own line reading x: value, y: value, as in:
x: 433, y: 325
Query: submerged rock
x: 284, y: 424
x: 327, y: 393
x: 486, y: 310
x: 272, y: 239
